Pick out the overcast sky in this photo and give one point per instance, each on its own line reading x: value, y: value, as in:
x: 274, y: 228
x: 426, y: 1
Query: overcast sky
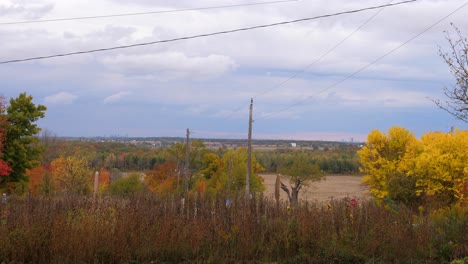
x: 205, y: 84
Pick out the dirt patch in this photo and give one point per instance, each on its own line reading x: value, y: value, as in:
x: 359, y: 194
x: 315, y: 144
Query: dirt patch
x: 334, y: 186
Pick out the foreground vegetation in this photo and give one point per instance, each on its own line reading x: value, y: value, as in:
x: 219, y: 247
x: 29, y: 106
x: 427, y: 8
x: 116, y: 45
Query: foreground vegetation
x: 148, y: 228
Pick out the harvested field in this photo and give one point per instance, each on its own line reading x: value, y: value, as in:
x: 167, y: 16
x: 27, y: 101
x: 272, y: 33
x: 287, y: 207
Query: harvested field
x: 334, y: 186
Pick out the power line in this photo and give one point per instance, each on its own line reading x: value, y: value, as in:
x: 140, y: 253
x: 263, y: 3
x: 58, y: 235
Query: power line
x: 324, y: 55
x: 367, y: 66
x: 143, y: 13
x: 203, y: 35
x: 311, y: 64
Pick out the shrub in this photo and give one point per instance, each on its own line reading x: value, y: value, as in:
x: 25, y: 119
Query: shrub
x: 128, y: 185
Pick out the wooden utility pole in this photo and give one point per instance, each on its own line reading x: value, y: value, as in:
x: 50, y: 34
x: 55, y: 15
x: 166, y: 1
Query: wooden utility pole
x: 249, y: 153
x: 187, y: 163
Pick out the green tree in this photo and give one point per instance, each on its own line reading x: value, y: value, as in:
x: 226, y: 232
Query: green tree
x: 197, y: 152
x: 128, y: 185
x: 300, y: 172
x: 21, y: 146
x: 5, y: 169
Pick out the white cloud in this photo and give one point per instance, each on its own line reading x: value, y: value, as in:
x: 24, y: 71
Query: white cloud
x: 171, y: 65
x: 394, y: 99
x: 115, y: 97
x: 28, y: 11
x: 60, y: 98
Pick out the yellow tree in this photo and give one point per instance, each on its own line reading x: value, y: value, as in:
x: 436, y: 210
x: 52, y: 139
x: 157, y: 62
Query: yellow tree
x: 211, y: 164
x: 399, y: 167
x: 381, y: 160
x: 443, y: 166
x: 72, y: 174
x: 227, y: 173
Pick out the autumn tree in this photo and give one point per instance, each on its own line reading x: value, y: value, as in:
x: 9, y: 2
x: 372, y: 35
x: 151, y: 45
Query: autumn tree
x: 398, y: 167
x: 211, y: 164
x: 39, y: 180
x: 176, y: 152
x: 300, y: 172
x: 457, y: 61
x: 5, y: 169
x: 381, y: 160
x: 104, y: 179
x: 442, y: 167
x: 226, y: 174
x: 72, y: 175
x: 163, y: 177
x: 21, y: 149
x: 110, y: 161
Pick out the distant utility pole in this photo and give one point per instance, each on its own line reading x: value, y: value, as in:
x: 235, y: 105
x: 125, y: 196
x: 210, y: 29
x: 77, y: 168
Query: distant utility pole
x: 249, y: 153
x: 187, y: 162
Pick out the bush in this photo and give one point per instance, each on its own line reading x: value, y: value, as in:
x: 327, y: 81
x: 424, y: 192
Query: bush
x: 128, y: 185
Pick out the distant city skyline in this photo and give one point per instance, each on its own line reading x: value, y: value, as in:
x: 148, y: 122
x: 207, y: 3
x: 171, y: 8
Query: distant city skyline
x: 313, y: 80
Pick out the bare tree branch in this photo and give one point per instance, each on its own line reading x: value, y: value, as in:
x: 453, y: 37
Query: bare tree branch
x: 285, y: 188
x: 457, y: 61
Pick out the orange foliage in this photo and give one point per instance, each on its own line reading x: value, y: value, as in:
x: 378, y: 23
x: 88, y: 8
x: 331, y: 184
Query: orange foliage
x: 163, y: 177
x: 104, y: 177
x: 166, y: 185
x: 36, y: 178
x: 202, y: 187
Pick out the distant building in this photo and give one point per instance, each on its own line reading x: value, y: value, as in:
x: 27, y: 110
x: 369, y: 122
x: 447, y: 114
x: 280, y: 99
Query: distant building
x: 293, y: 145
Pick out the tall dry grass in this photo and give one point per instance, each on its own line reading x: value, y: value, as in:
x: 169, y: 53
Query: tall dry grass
x: 147, y: 228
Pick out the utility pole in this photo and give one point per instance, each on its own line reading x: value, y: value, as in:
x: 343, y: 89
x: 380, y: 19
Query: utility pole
x: 187, y: 162
x: 249, y: 153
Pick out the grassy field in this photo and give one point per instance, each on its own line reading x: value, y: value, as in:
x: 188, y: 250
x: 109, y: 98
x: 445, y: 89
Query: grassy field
x: 333, y: 187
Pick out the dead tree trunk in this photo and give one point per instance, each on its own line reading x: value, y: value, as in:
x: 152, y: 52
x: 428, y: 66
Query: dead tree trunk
x: 293, y: 194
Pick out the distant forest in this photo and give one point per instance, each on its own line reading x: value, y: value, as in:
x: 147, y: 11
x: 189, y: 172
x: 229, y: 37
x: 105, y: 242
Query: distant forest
x: 140, y: 154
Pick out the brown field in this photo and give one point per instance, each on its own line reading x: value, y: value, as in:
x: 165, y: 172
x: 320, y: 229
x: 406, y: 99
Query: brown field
x: 334, y: 186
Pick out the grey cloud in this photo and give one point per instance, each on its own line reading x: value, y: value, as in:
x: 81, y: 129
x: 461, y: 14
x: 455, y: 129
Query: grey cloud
x: 171, y: 65
x: 111, y: 32
x: 30, y: 12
